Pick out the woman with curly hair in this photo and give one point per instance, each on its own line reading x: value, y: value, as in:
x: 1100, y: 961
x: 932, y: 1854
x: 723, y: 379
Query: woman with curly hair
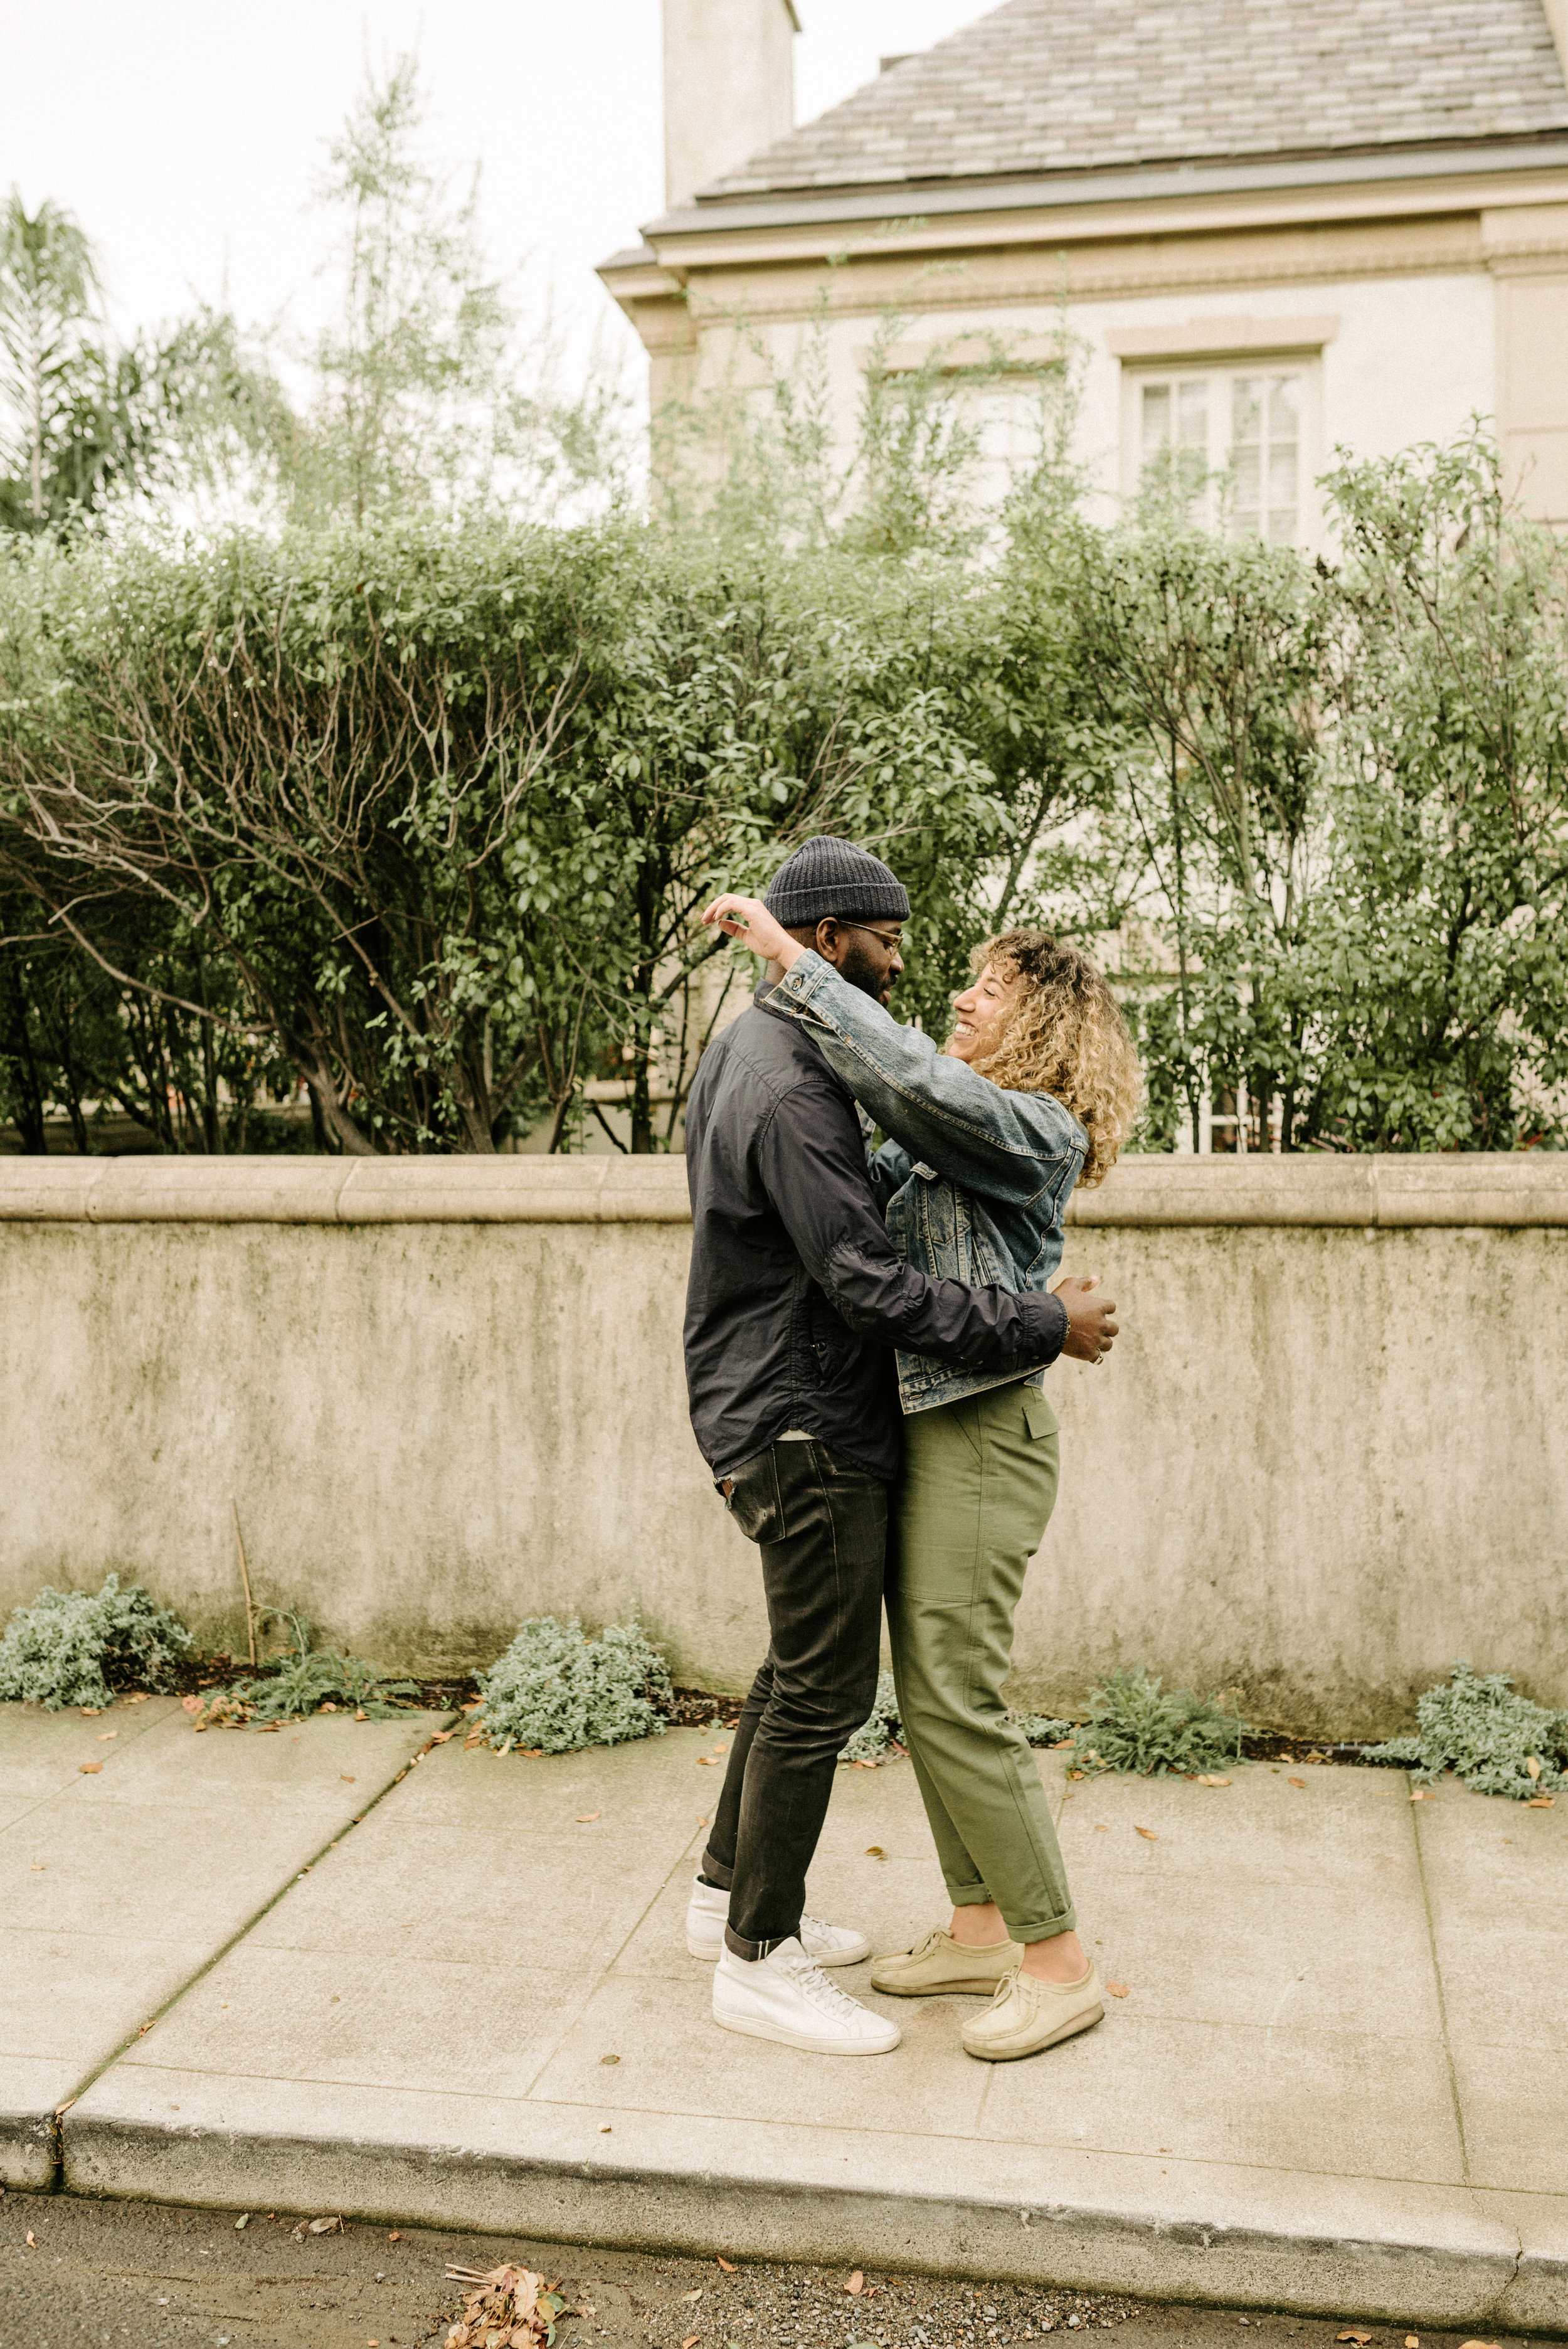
x: 1034, y: 1092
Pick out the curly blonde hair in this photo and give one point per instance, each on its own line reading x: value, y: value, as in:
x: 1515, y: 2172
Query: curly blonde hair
x: 1066, y: 1037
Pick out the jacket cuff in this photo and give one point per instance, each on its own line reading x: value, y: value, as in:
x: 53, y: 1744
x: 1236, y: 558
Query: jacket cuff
x: 1053, y: 1326
x: 803, y: 977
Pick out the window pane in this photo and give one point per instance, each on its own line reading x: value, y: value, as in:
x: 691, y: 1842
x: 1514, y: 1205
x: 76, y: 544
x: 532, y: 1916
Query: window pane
x: 1283, y: 406
x: 1248, y: 410
x: 1156, y: 416
x: 1282, y: 474
x: 1192, y: 412
x: 1248, y: 475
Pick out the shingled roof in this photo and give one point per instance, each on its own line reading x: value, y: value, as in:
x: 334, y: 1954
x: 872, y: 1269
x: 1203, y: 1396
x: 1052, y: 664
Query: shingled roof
x: 1041, y: 85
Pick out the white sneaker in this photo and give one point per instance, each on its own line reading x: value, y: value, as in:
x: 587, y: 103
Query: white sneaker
x: 707, y: 1912
x: 784, y: 1996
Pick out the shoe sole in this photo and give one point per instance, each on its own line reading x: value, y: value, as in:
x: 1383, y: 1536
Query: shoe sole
x: 1085, y: 2022
x: 936, y: 1990
x: 849, y: 1958
x: 787, y: 2038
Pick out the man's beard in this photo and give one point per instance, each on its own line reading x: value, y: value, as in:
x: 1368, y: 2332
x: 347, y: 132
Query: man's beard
x: 872, y: 978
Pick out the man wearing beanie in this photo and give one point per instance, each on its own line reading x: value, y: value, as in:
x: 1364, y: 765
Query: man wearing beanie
x: 795, y: 1303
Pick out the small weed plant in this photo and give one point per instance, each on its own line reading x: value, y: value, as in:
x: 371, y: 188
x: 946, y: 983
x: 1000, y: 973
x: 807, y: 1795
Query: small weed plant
x: 308, y: 1680
x: 1136, y: 1724
x: 555, y: 1689
x: 1497, y: 1740
x: 76, y: 1647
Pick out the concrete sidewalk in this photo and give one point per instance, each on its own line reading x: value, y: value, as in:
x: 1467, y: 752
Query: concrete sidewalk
x: 132, y: 1850
x: 1338, y: 2081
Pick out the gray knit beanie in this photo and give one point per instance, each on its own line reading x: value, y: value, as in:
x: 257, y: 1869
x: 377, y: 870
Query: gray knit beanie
x: 833, y: 876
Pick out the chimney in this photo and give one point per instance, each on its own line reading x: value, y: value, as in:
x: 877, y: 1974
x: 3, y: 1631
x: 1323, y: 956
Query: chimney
x: 729, y: 86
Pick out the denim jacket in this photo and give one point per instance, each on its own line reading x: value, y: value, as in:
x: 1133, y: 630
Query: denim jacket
x: 975, y: 1182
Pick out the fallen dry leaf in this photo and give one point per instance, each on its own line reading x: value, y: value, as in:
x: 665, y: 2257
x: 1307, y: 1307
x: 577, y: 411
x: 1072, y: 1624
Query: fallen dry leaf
x: 1353, y: 2336
x: 1147, y: 1833
x: 1412, y: 2341
x: 1301, y: 1781
x: 1422, y: 1795
x: 89, y: 1769
x: 105, y: 1735
x: 1064, y: 1745
x: 1478, y: 2344
x: 856, y: 2282
x: 722, y: 1747
x: 1117, y: 1990
x: 1208, y: 1778
x: 727, y: 2265
x: 193, y: 1704
x: 31, y: 2240
x: 332, y: 2226
x: 476, y: 1739
x: 707, y: 1760
x: 1540, y: 1801
x: 693, y: 2295
x: 875, y: 1851
x: 395, y: 2236
x: 1102, y: 1830
x: 1075, y: 1774
x: 690, y: 2341
x: 344, y: 1778
x: 242, y: 2223
x: 586, y: 1818
x: 89, y: 1712
x: 1532, y: 1763
x: 504, y: 2305
x: 441, y: 1737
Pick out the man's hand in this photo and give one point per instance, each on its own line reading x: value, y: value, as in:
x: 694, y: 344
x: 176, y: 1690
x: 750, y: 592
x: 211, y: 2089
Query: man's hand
x: 1092, y: 1320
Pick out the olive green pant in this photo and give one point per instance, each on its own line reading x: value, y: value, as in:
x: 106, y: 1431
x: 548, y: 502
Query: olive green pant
x: 979, y: 1485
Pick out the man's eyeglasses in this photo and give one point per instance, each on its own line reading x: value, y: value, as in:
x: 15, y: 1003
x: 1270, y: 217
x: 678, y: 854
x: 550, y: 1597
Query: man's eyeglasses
x: 896, y: 943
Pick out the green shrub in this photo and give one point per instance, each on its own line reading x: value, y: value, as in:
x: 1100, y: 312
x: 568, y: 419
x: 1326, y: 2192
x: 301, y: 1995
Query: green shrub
x: 555, y: 1689
x: 1134, y: 1725
x: 885, y: 1730
x: 871, y: 1740
x: 73, y: 1648
x: 1487, y: 1734
x: 308, y: 1678
x: 1041, y: 1730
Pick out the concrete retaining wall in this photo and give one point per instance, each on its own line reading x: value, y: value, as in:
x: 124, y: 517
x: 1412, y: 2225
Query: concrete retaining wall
x: 1329, y: 1455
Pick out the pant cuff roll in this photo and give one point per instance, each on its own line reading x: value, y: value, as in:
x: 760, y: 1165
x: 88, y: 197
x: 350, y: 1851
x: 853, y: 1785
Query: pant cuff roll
x: 739, y: 1947
x: 1041, y: 1929
x: 715, y: 1872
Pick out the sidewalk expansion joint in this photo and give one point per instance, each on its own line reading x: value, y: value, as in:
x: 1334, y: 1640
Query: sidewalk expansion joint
x: 133, y: 2039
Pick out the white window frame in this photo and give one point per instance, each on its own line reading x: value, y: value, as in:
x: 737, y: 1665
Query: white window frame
x: 1220, y: 369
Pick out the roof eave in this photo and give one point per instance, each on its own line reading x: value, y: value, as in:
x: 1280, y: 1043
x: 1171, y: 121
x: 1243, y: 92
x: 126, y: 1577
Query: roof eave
x: 895, y: 201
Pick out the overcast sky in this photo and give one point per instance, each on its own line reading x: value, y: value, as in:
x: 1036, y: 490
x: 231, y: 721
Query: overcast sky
x: 185, y: 135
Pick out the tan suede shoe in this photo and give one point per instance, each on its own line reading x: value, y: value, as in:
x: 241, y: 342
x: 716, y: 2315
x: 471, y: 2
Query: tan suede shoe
x: 1027, y: 2015
x: 940, y: 1964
